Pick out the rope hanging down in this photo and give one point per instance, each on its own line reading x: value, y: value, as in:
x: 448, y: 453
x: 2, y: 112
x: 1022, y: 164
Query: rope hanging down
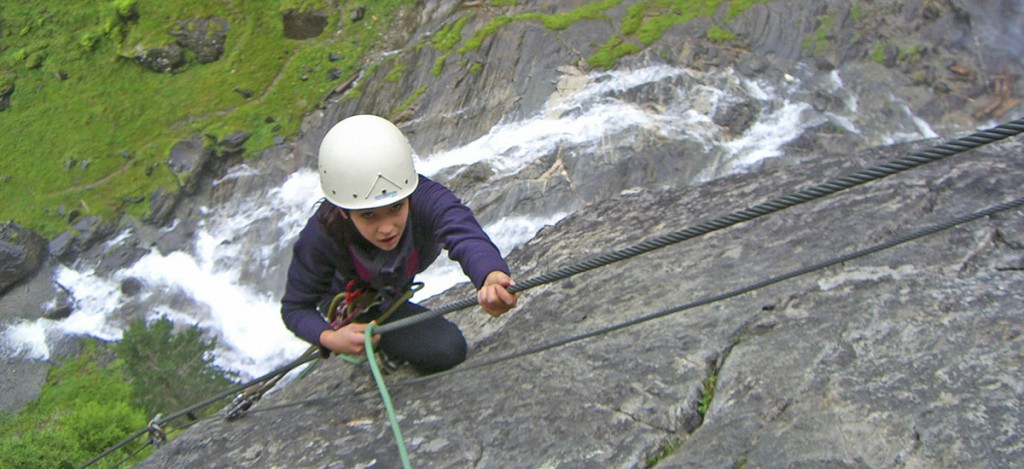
x: 832, y: 186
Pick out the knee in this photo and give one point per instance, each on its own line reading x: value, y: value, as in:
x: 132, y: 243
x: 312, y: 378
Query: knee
x: 444, y: 355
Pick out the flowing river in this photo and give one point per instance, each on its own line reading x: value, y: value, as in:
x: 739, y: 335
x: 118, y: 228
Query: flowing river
x: 229, y: 279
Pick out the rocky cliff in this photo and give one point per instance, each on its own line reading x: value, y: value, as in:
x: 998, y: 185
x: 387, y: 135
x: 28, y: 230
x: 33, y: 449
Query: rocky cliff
x: 909, y: 356
x: 906, y: 357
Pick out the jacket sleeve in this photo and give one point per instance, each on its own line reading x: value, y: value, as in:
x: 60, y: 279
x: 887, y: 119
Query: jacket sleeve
x: 309, y: 280
x: 457, y: 229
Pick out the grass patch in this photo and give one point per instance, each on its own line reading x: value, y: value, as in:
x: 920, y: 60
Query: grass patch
x: 647, y: 21
x: 818, y: 43
x: 109, y: 392
x: 878, y: 52
x: 707, y: 394
x: 88, y: 130
x: 669, y: 446
x: 717, y: 34
x: 86, y: 124
x: 84, y: 408
x: 410, y: 100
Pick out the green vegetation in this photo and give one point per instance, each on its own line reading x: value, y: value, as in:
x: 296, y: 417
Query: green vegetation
x: 707, y: 394
x: 717, y: 34
x: 84, y: 409
x: 169, y: 371
x: 445, y: 39
x: 669, y: 446
x: 818, y: 43
x: 647, y: 21
x: 856, y: 12
x: 411, y: 99
x: 94, y: 401
x: 910, y: 55
x: 86, y: 123
x: 91, y: 128
x: 878, y: 52
x: 449, y: 35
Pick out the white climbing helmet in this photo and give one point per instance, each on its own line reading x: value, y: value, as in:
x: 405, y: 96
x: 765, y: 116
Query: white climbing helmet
x: 365, y: 162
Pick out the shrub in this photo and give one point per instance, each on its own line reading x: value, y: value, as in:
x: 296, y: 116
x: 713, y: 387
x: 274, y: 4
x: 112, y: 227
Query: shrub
x: 170, y: 371
x: 83, y: 409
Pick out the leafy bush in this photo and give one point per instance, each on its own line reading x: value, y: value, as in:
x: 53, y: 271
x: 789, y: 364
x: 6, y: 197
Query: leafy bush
x: 170, y: 371
x: 84, y: 408
x: 94, y: 401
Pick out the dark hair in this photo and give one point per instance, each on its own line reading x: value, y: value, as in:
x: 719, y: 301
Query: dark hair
x: 339, y: 227
x: 335, y: 225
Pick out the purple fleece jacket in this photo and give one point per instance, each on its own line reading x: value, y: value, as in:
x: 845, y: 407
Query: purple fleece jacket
x: 322, y: 265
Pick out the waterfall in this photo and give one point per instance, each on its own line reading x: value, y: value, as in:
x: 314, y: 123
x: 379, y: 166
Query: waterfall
x: 213, y: 282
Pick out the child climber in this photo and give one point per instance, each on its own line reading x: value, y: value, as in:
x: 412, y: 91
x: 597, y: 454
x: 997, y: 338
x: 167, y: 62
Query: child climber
x: 380, y: 224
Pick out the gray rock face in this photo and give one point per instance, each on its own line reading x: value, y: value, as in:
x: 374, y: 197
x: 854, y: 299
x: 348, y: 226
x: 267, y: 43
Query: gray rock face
x: 909, y: 356
x: 187, y: 159
x: 904, y: 358
x: 942, y: 54
x: 21, y: 254
x: 21, y: 383
x: 205, y: 37
x: 167, y: 59
x: 303, y: 24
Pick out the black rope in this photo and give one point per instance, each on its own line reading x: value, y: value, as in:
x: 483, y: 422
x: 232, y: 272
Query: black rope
x: 832, y: 186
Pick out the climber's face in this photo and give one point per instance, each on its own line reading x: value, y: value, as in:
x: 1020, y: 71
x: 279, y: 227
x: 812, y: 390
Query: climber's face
x: 381, y: 226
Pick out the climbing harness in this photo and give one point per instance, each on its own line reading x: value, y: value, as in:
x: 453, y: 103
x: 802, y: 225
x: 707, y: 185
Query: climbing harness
x: 347, y: 305
x: 832, y: 186
x: 355, y: 300
x: 343, y: 309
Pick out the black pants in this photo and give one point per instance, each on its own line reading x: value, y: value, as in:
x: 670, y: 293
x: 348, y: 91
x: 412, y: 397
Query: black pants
x: 432, y: 345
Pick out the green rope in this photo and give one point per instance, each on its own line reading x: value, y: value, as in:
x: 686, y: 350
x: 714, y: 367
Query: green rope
x: 935, y: 153
x: 409, y: 292
x: 386, y: 397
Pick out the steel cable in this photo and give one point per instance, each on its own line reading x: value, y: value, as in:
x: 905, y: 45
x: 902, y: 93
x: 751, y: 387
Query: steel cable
x: 832, y: 186
x: 1018, y: 203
